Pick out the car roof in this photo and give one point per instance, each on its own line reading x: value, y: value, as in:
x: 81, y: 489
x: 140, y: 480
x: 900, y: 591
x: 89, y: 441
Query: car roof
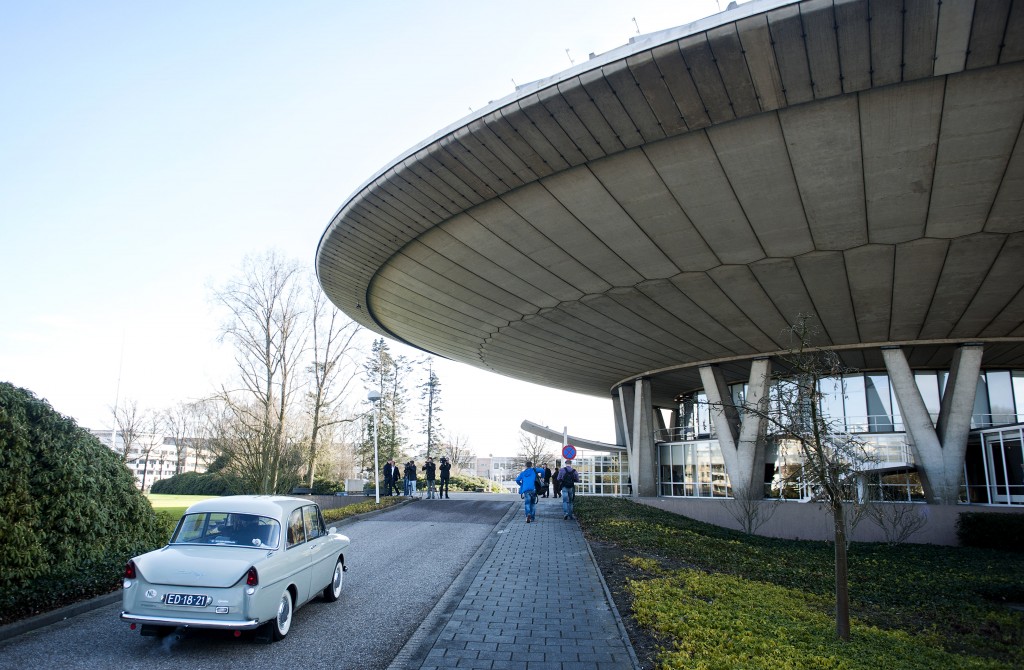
x: 272, y: 506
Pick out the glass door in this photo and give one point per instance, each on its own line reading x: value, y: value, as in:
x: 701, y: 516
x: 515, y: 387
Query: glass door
x: 1005, y: 452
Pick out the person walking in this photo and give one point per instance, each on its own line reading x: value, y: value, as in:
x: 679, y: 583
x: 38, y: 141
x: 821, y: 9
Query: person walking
x: 546, y: 488
x: 527, y: 480
x: 555, y: 484
x: 567, y: 478
x: 429, y: 471
x: 446, y: 471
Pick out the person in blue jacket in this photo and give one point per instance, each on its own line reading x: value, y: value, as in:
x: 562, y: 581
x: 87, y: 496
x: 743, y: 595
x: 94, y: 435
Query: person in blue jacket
x: 527, y: 481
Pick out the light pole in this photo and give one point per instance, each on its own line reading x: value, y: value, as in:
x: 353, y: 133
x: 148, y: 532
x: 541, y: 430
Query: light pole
x: 374, y: 397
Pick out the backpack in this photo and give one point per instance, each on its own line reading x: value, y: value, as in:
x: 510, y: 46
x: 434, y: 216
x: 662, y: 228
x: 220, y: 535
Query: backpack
x: 538, y: 481
x: 568, y: 478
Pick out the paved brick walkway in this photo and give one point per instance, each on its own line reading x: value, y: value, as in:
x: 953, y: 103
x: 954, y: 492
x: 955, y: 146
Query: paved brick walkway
x: 504, y: 612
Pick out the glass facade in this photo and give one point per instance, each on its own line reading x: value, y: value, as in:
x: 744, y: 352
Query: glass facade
x: 690, y: 461
x: 693, y: 469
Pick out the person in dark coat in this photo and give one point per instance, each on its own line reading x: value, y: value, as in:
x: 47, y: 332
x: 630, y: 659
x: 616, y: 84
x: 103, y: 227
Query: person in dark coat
x: 391, y: 476
x: 547, y: 480
x: 557, y: 484
x: 446, y: 471
x: 410, y: 478
x: 430, y: 472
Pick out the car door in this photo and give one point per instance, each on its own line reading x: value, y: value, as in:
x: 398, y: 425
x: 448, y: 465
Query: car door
x: 298, y: 552
x: 321, y: 557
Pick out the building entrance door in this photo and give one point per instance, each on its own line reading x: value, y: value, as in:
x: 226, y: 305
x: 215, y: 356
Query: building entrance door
x: 1004, y: 451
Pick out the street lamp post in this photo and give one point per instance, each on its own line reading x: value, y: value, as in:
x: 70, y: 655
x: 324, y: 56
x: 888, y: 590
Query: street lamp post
x: 374, y: 397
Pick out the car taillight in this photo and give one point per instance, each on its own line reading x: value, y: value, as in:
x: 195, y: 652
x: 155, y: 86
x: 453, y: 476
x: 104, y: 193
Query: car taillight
x: 252, y: 578
x: 129, y: 570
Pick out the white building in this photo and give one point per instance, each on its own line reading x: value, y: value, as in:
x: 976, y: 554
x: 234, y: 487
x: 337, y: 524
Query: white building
x: 151, y: 457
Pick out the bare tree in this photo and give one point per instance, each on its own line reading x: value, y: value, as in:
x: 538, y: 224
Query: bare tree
x: 751, y: 512
x: 533, y: 449
x: 151, y: 441
x: 332, y: 372
x: 181, y: 424
x: 898, y: 521
x: 129, y: 425
x: 456, y: 448
x: 831, y: 458
x: 266, y: 329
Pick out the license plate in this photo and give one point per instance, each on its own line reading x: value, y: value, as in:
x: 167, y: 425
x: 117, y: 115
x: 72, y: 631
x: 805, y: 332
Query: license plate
x: 186, y: 600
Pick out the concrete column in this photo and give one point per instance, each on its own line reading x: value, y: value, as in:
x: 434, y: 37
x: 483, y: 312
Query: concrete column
x: 955, y: 413
x: 623, y: 410
x: 750, y: 448
x: 740, y: 442
x: 624, y: 415
x: 924, y: 441
x: 644, y: 474
x: 938, y: 451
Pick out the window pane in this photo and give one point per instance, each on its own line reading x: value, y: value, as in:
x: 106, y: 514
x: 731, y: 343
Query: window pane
x: 856, y: 404
x: 879, y: 404
x: 296, y: 529
x: 1018, y: 391
x: 312, y: 522
x: 831, y: 389
x: 928, y: 385
x: 982, y: 415
x: 1000, y: 397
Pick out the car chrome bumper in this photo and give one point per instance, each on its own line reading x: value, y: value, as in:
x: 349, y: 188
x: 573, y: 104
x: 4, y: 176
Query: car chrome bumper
x: 245, y: 624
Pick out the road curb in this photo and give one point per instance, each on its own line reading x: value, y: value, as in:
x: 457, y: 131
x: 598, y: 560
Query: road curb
x: 13, y: 630
x: 414, y: 652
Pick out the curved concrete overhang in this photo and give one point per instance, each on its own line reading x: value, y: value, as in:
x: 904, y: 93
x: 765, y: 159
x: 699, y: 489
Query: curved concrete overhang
x: 684, y: 198
x: 555, y: 436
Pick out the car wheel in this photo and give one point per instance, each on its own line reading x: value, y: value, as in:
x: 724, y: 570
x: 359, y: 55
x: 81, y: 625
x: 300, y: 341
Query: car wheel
x: 283, y: 622
x: 333, y: 590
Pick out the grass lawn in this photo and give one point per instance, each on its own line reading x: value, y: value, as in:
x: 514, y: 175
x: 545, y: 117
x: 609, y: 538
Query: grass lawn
x: 700, y: 596
x: 173, y: 504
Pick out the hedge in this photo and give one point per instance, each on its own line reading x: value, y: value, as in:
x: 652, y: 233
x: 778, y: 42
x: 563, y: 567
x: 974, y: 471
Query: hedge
x: 70, y: 514
x: 990, y: 530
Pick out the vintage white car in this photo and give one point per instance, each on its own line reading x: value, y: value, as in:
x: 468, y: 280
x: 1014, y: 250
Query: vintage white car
x: 236, y: 563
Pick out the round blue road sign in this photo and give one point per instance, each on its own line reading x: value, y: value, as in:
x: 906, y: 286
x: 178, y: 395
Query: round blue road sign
x: 569, y: 452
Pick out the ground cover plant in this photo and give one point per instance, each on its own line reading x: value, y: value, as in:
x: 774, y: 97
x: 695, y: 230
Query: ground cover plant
x: 703, y: 596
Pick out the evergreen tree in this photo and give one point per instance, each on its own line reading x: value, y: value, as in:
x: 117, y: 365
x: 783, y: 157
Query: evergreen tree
x: 386, y: 374
x: 430, y: 394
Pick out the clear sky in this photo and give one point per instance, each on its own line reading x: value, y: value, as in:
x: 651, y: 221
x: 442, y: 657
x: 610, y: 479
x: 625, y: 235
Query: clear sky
x: 147, y: 147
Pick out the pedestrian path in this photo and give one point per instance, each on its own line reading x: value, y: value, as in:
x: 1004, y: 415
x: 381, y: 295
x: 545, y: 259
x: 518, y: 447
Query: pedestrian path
x: 533, y: 598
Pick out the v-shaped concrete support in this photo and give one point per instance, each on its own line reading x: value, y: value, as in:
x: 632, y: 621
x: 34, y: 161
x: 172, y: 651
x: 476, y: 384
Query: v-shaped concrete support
x: 740, y: 434
x: 939, y: 450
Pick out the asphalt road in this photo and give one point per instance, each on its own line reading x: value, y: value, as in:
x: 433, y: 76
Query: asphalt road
x: 399, y: 565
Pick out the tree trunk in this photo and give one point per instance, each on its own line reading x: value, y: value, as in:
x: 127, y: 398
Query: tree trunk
x: 842, y: 583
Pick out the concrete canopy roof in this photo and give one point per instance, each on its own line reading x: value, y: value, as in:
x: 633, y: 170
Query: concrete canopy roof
x: 682, y: 199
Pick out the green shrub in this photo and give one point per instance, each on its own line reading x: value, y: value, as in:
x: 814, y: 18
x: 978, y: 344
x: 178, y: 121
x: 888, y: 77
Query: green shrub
x: 326, y: 487
x: 990, y: 530
x: 472, y: 483
x: 339, y: 513
x: 70, y: 514
x: 198, y: 484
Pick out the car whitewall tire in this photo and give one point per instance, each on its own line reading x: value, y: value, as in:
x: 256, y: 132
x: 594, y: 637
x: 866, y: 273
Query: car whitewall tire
x: 283, y: 622
x: 333, y: 590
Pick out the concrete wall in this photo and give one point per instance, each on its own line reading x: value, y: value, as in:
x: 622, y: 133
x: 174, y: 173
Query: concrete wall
x: 811, y: 521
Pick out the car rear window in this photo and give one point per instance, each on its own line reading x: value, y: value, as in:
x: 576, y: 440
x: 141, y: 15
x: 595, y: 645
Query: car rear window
x: 229, y: 529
